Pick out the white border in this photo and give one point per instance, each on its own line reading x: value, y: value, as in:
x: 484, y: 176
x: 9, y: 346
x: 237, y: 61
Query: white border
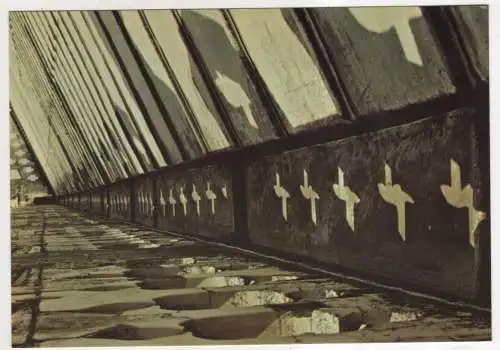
x: 5, y: 337
x: 158, y: 4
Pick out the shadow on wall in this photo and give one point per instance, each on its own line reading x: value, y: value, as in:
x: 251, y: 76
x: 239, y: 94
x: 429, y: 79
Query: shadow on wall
x: 381, y: 70
x: 177, y: 113
x: 226, y: 63
x: 131, y: 130
x: 223, y: 60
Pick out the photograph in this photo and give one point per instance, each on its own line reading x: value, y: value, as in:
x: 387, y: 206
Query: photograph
x: 249, y: 176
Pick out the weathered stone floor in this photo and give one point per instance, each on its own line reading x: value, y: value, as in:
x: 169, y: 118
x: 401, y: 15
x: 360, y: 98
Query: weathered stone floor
x: 80, y: 282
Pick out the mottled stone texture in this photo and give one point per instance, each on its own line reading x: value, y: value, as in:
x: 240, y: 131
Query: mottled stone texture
x: 84, y: 201
x: 72, y: 201
x: 97, y: 283
x: 97, y: 203
x: 436, y: 252
x: 219, y: 224
x: 144, y: 200
x: 120, y: 203
x: 374, y: 67
x: 473, y: 23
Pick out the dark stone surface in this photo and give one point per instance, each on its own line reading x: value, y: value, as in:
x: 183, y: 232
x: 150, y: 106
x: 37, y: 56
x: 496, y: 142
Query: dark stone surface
x: 144, y: 201
x: 97, y: 206
x: 84, y: 201
x: 73, y: 201
x: 87, y: 292
x: 218, y: 225
x: 120, y: 201
x: 371, y: 61
x: 436, y: 252
x: 473, y: 25
x: 211, y: 39
x: 46, y: 200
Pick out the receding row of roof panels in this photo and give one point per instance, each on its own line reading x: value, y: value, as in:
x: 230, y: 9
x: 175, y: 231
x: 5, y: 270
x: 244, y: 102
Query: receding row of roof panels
x: 105, y: 95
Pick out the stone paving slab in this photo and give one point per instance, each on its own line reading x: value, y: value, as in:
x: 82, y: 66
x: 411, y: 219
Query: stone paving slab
x: 89, y: 283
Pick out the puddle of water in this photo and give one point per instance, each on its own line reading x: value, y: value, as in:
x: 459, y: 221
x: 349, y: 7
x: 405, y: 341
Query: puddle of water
x: 241, y: 326
x: 331, y: 293
x: 187, y: 261
x: 256, y: 298
x: 203, y: 300
x: 106, y: 288
x: 175, y: 282
x: 294, y: 325
x: 283, y: 278
x: 223, y: 281
x: 93, y: 275
x: 145, y: 263
x: 121, y: 236
x: 318, y: 321
x: 405, y: 316
x: 180, y: 281
x: 149, y: 246
x: 195, y: 300
x: 222, y: 267
x: 313, y: 291
x: 153, y: 272
x: 135, y: 240
x: 327, y: 322
x: 288, y: 324
x: 330, y: 321
x: 116, y: 308
x: 198, y: 270
x: 128, y: 332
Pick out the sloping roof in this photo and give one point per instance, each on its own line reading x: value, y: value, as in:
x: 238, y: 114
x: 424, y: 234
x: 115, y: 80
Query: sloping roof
x: 106, y: 95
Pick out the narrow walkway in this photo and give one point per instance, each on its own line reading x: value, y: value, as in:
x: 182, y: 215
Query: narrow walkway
x: 81, y: 282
